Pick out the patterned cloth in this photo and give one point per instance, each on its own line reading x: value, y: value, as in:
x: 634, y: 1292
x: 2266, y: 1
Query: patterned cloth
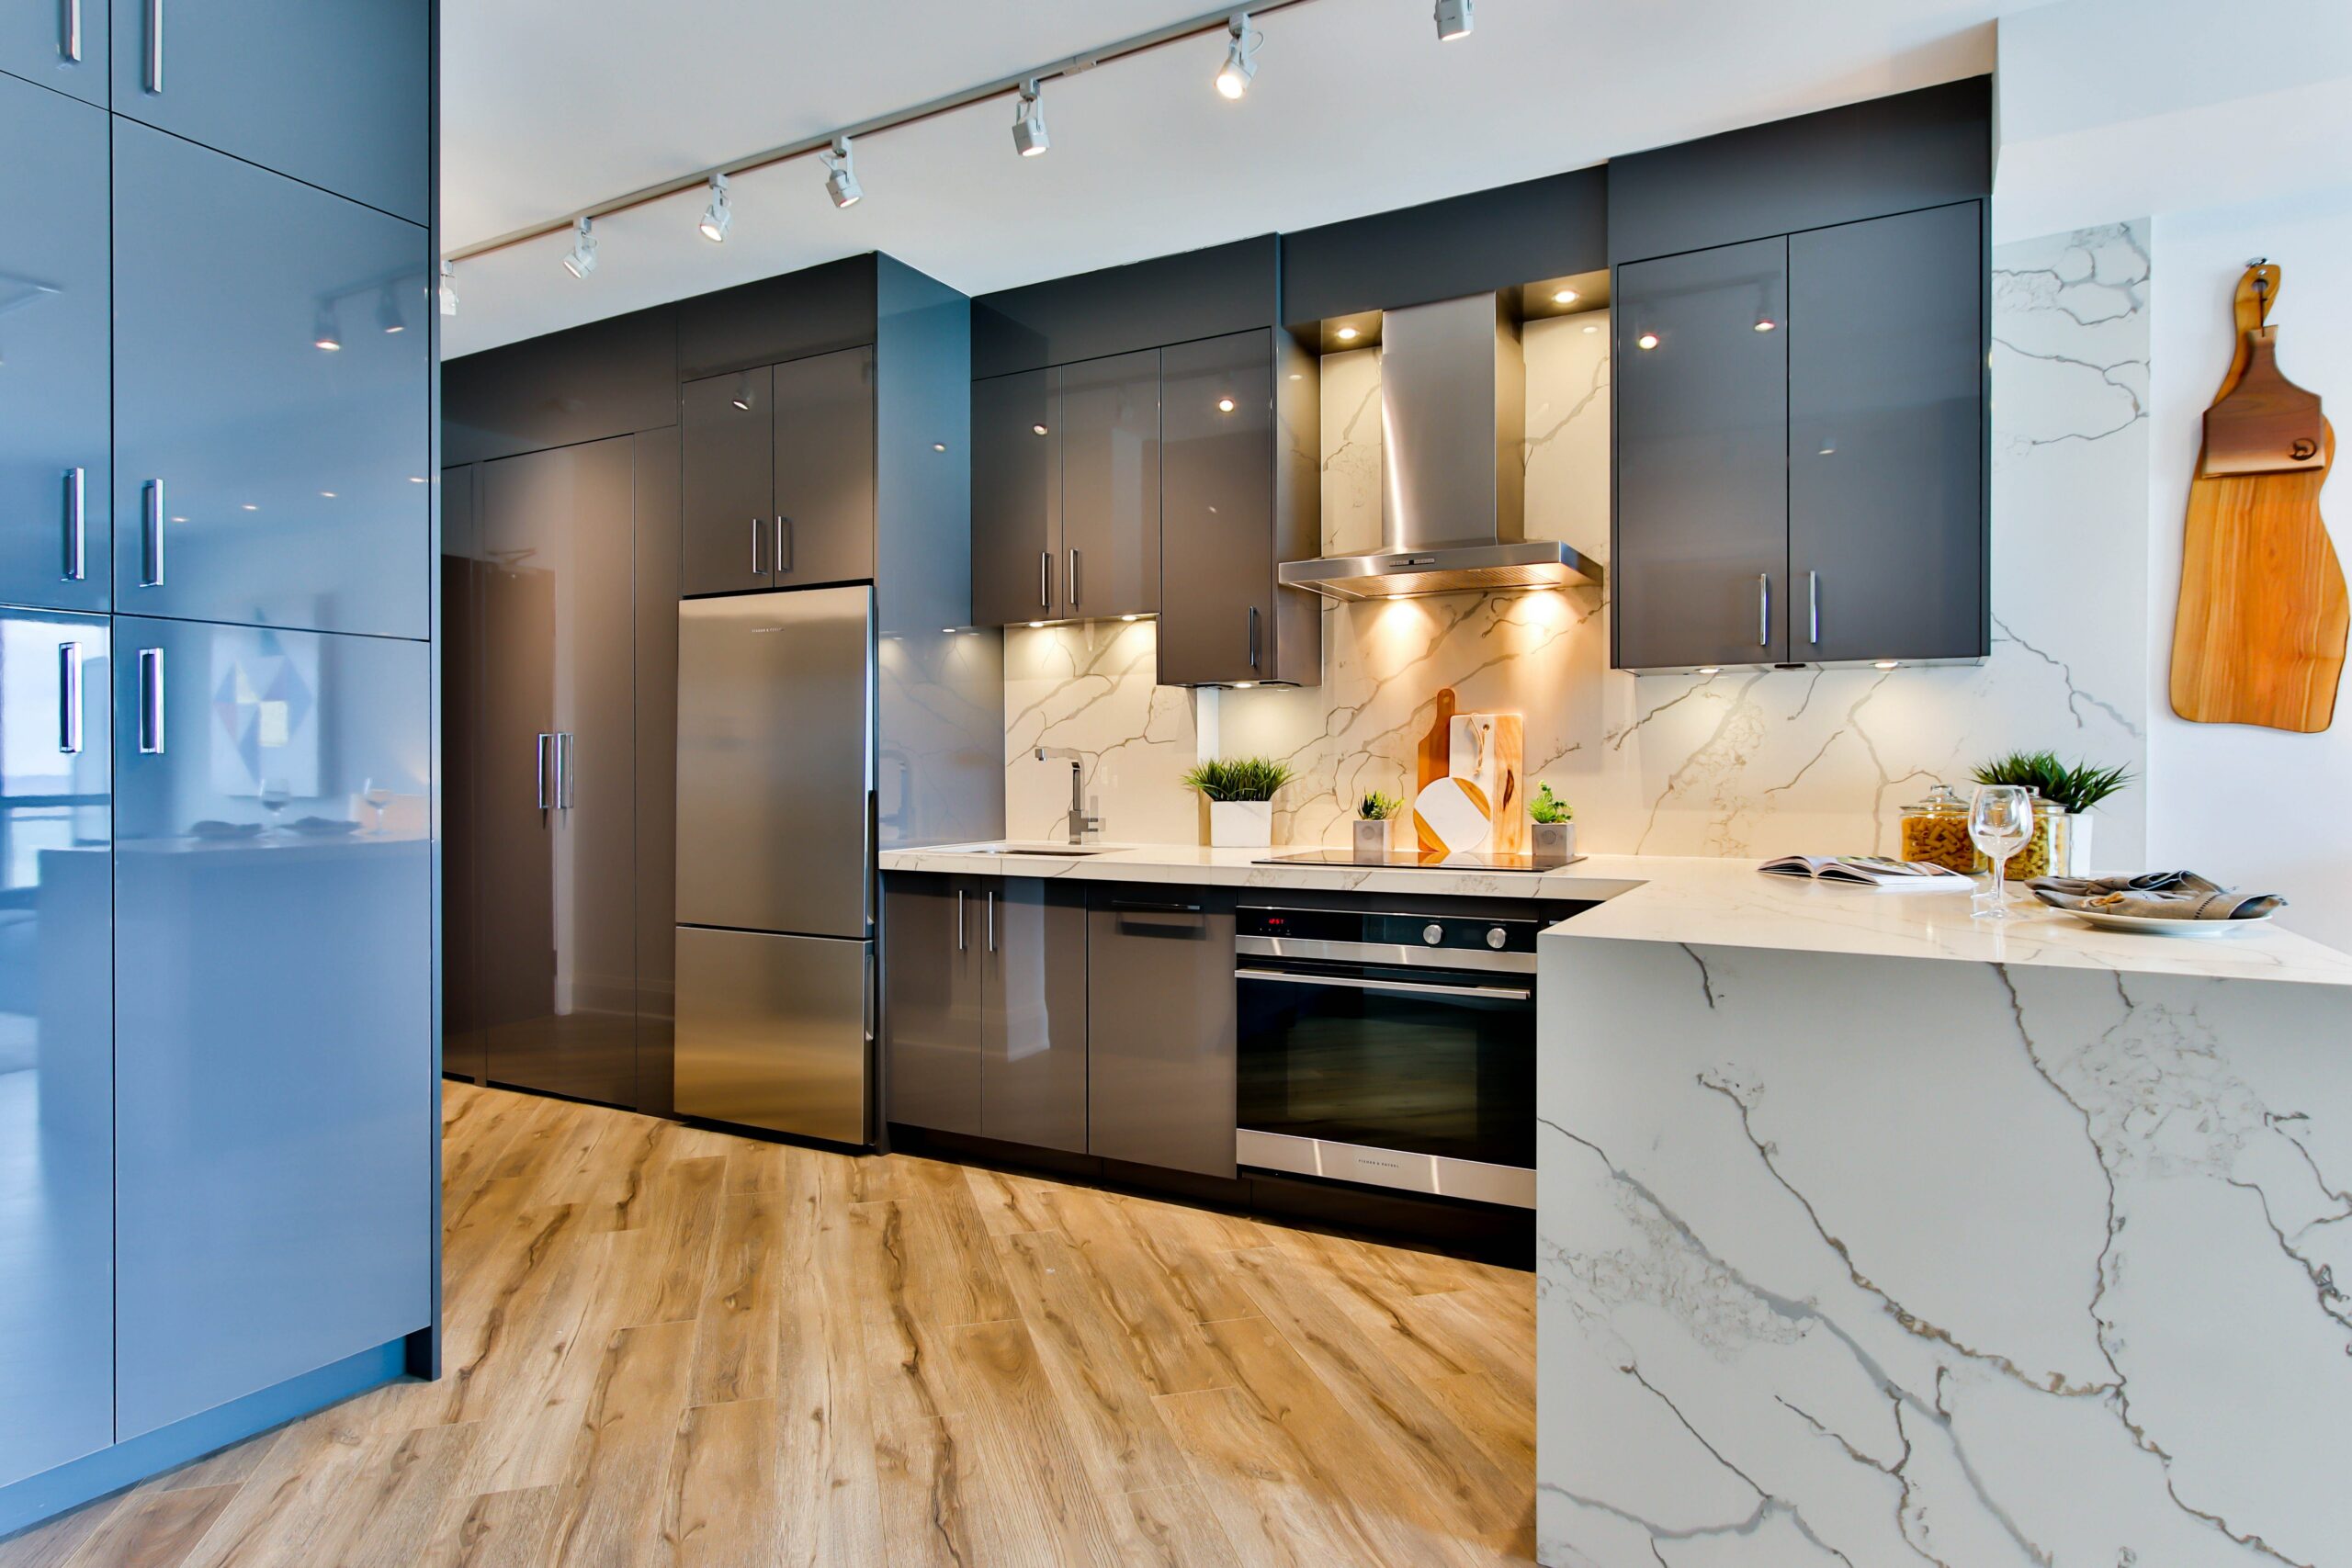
x: 2158, y: 895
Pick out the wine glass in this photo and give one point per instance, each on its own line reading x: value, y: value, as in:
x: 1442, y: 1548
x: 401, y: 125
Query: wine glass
x: 275, y: 793
x: 2000, y: 821
x: 378, y: 798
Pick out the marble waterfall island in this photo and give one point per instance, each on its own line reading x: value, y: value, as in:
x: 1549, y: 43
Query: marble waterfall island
x: 1871, y: 1235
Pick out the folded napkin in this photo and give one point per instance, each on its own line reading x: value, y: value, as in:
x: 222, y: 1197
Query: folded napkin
x: 2156, y: 895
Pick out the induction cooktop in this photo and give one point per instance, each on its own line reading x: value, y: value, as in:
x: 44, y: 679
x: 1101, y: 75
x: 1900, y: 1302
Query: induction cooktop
x: 1424, y: 860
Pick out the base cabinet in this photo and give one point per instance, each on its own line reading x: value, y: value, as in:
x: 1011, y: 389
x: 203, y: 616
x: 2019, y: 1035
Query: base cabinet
x: 1160, y: 1029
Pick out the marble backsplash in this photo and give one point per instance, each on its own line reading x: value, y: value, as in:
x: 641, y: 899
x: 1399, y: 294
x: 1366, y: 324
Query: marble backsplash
x: 1740, y: 763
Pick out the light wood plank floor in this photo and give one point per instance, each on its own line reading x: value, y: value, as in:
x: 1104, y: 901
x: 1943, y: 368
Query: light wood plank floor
x: 668, y: 1346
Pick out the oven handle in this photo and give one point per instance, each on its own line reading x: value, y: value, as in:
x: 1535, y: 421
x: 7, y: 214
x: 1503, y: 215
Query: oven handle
x: 1288, y: 977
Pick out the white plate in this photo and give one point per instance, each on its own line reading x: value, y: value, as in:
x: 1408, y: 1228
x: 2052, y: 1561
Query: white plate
x: 2157, y: 926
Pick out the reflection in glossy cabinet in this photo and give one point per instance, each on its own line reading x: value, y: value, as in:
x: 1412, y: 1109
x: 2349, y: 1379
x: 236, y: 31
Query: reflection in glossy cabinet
x: 56, y: 1045
x: 824, y: 469
x: 1110, y: 482
x: 338, y: 95
x: 933, y: 937
x: 58, y: 43
x: 55, y: 434
x: 728, y: 426
x: 272, y: 434
x: 1016, y: 499
x: 466, y: 972
x: 272, y: 1007
x: 1033, y: 1013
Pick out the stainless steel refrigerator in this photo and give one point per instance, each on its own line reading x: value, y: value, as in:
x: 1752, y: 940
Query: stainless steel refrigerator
x: 775, y: 881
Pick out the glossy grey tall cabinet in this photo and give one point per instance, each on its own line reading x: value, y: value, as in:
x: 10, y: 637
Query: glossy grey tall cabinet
x: 219, y: 794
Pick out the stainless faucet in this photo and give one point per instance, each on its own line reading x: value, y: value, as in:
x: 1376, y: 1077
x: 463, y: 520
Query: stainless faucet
x: 1081, y: 824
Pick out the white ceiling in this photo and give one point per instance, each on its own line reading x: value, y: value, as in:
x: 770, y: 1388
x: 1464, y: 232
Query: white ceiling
x: 552, y: 104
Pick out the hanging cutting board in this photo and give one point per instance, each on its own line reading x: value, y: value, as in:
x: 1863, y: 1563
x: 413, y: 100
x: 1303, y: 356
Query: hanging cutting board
x: 2259, y: 635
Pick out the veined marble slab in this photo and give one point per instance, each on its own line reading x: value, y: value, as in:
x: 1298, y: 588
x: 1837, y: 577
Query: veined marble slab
x: 1202, y: 867
x: 1874, y: 1260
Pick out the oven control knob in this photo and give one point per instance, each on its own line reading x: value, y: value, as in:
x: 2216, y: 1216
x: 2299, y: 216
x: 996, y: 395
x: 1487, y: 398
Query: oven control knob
x: 1433, y: 933
x: 1496, y: 937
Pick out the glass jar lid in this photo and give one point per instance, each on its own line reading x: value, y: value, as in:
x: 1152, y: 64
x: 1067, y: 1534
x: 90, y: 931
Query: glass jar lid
x: 1942, y: 801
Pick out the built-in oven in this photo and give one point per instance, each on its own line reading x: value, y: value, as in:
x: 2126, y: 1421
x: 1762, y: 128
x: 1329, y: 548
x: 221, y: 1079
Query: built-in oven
x: 1387, y: 1049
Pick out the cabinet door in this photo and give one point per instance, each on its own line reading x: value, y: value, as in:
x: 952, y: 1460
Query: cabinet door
x: 1886, y: 438
x: 56, y: 483
x: 338, y: 97
x: 56, y: 1056
x: 1701, y: 563
x: 560, y: 906
x: 931, y: 943
x: 275, y: 1105
x: 824, y: 469
x: 1110, y: 428
x: 271, y: 433
x: 1016, y: 500
x: 1033, y: 1014
x: 467, y: 750
x: 1159, y: 1026
x: 58, y: 43
x: 1217, y: 565
x: 728, y: 426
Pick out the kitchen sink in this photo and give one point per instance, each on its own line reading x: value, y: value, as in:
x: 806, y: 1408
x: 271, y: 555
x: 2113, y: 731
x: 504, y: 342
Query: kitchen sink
x: 1033, y: 849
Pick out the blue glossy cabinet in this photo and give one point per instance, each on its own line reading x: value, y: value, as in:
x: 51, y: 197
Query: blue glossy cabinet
x: 335, y: 93
x: 272, y: 398
x: 58, y: 43
x: 56, y: 1066
x: 55, y: 481
x: 272, y: 1007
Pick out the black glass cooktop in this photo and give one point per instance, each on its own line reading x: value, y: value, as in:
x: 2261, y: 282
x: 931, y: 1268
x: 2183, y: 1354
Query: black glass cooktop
x: 1423, y: 860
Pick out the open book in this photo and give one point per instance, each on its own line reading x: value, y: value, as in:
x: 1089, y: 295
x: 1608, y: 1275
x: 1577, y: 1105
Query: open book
x: 1870, y: 871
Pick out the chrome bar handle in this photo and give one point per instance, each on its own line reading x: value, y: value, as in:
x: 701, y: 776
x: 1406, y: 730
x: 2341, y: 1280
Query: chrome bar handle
x: 154, y: 46
x: 563, y: 739
x: 1045, y: 579
x: 151, y: 537
x: 1764, y: 609
x: 151, y: 702
x: 991, y: 897
x: 782, y: 544
x: 70, y: 46
x: 76, y: 516
x: 1073, y: 578
x: 1813, y: 603
x: 1299, y: 977
x: 759, y: 526
x: 1253, y: 636
x: 541, y: 759
x: 69, y: 697
x: 959, y: 919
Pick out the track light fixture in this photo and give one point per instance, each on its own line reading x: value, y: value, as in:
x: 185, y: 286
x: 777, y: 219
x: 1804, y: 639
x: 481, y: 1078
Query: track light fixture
x: 1240, y: 63
x: 1029, y: 136
x: 449, y: 291
x: 387, y: 311
x: 841, y: 173
x: 323, y: 333
x: 581, y: 260
x: 718, y: 214
x: 1453, y: 20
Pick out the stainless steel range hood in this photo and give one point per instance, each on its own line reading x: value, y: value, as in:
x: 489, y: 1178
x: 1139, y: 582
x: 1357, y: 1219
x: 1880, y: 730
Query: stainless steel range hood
x: 1453, y: 424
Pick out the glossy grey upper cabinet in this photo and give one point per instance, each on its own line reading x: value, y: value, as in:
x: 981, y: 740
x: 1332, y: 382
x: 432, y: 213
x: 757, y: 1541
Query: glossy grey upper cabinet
x: 1887, y: 438
x: 58, y: 43
x: 1110, y: 482
x: 1016, y: 499
x: 56, y: 1054
x: 272, y: 375
x: 728, y: 428
x: 1700, y: 558
x: 824, y: 468
x: 338, y: 95
x: 272, y: 984
x: 55, y: 439
x: 1216, y: 549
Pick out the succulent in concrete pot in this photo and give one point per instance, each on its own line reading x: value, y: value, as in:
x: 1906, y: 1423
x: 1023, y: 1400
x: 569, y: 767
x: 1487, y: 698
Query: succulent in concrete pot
x: 1373, y: 814
x: 1552, y: 839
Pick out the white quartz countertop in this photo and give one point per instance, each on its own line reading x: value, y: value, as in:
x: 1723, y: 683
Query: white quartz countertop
x: 1696, y: 901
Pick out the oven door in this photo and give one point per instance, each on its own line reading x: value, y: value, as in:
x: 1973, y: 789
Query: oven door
x: 1389, y: 1074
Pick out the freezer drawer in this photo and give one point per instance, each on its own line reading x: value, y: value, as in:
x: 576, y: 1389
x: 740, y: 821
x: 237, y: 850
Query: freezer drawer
x: 774, y: 1032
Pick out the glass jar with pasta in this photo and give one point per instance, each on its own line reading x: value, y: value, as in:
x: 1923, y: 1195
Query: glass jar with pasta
x: 1935, y: 830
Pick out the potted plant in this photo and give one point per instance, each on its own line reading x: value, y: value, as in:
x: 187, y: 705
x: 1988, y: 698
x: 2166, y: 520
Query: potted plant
x: 1240, y: 793
x: 1373, y: 815
x: 1553, y: 841
x: 2072, y: 791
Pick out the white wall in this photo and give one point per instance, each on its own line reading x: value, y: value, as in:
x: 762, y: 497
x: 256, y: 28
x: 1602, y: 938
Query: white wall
x: 2257, y: 808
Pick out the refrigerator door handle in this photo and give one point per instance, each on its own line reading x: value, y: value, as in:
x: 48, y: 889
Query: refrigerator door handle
x: 959, y: 919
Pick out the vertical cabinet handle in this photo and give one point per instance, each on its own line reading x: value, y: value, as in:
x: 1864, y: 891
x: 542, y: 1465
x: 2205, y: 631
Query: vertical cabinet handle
x: 76, y: 512
x: 1813, y: 604
x: 151, y: 702
x: 991, y: 897
x: 784, y: 533
x: 1073, y: 579
x: 563, y: 770
x: 69, y: 697
x: 154, y: 46
x: 541, y: 761
x: 1763, y: 609
x: 959, y: 919
x: 151, y: 537
x: 70, y: 44
x: 758, y: 527
x: 1045, y: 579
x: 1253, y: 636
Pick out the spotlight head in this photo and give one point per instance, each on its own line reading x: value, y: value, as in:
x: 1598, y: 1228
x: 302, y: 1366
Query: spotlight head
x: 449, y: 289
x: 388, y: 312
x: 323, y: 332
x: 581, y: 260
x: 1453, y: 20
x: 1029, y: 136
x: 718, y: 214
x: 1241, y: 63
x: 841, y: 174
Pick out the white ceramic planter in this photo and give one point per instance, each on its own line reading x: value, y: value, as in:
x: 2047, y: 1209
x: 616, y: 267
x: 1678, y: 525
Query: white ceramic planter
x: 1372, y: 840
x: 1241, y: 824
x: 1551, y: 843
x: 2078, y: 843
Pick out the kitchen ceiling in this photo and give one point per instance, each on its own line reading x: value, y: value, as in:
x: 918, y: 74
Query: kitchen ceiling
x: 1356, y: 108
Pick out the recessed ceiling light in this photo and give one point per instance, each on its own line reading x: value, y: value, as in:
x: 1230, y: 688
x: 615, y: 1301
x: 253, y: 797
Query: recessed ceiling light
x: 1233, y: 79
x: 1346, y: 334
x: 719, y: 215
x: 1225, y: 405
x: 1564, y: 296
x: 1647, y: 339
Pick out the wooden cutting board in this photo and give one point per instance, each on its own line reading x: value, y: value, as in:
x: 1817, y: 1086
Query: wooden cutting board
x: 2260, y: 635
